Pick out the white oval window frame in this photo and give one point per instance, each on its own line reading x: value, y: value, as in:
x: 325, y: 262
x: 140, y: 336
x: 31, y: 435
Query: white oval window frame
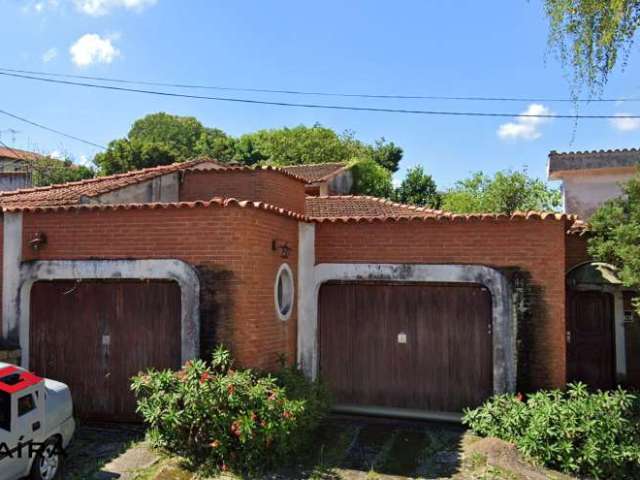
x: 284, y: 268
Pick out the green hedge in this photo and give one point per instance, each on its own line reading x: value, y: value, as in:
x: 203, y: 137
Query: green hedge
x: 224, y: 418
x: 576, y: 432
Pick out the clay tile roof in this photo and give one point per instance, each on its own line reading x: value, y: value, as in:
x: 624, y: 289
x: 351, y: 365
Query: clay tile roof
x: 316, y: 172
x: 73, y: 192
x: 214, y: 202
x: 17, y: 154
x: 560, y: 162
x: 369, y: 209
x: 360, y: 206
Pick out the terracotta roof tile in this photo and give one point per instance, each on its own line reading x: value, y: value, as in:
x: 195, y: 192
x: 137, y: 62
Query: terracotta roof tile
x: 214, y: 202
x: 354, y: 209
x: 316, y: 172
x: 72, y: 193
x: 17, y: 154
x: 360, y: 206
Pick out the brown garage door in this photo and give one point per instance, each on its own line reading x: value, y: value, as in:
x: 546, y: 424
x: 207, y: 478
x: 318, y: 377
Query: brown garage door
x: 95, y: 335
x: 445, y: 364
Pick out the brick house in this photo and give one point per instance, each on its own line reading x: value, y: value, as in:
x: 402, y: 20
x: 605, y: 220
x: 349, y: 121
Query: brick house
x: 399, y: 309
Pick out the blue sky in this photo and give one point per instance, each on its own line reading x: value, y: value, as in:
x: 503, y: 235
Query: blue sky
x: 429, y: 47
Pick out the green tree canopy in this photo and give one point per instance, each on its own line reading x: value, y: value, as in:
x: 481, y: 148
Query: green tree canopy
x: 591, y: 35
x: 370, y: 178
x: 615, y: 229
x: 418, y: 188
x: 298, y: 145
x: 48, y: 171
x: 506, y: 192
x: 161, y: 139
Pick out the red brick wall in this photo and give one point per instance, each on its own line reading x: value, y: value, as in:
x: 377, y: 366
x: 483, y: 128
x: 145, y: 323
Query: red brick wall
x: 231, y: 244
x: 536, y: 247
x: 259, y: 185
x: 576, y: 250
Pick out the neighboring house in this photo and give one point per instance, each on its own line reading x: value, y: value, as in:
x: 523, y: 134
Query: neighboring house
x: 401, y: 310
x: 324, y: 178
x: 14, y: 168
x: 602, y: 327
x: 591, y: 178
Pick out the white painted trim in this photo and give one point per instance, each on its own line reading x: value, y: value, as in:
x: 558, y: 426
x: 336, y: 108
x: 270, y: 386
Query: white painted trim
x: 284, y: 268
x: 163, y: 269
x: 504, y: 331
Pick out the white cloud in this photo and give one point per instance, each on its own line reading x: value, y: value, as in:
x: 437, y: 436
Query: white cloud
x: 49, y: 55
x: 97, y: 8
x: 625, y: 124
x: 39, y: 6
x: 57, y: 154
x: 92, y: 48
x: 525, y: 128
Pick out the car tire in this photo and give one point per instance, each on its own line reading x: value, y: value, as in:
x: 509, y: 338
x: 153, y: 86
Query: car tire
x: 48, y: 462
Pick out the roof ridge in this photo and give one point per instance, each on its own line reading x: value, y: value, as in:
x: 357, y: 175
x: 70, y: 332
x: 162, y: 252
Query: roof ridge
x: 592, y: 152
x: 385, y: 201
x: 159, y: 169
x: 248, y: 168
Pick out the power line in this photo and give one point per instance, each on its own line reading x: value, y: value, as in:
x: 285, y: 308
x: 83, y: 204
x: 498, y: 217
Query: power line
x: 322, y: 93
x: 321, y: 106
x: 49, y: 129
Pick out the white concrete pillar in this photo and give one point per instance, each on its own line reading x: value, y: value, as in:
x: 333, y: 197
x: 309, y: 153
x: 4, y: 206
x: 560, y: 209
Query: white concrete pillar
x: 306, y: 299
x: 11, y: 258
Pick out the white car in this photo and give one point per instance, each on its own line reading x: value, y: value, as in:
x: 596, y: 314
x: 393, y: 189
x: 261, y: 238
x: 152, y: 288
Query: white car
x: 36, y: 425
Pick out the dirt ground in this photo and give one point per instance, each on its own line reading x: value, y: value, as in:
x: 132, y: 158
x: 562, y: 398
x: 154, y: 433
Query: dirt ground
x: 347, y: 448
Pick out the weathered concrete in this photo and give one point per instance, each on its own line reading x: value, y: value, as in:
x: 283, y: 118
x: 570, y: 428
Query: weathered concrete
x: 164, y: 188
x: 504, y: 334
x: 584, y: 192
x: 307, y: 333
x: 16, y: 316
x: 11, y: 256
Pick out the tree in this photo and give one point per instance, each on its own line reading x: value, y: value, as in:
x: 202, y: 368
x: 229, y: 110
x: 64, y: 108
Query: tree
x: 615, y: 235
x: 48, y: 171
x: 418, y: 188
x: 506, y: 192
x: 298, y: 145
x: 387, y: 155
x: 369, y: 178
x: 591, y: 35
x: 124, y: 155
x: 160, y: 139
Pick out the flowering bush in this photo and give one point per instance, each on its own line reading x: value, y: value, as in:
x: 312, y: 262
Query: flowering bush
x: 227, y: 418
x: 594, y: 434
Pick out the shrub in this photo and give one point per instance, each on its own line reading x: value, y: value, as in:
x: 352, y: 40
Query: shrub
x: 577, y: 432
x: 220, y: 417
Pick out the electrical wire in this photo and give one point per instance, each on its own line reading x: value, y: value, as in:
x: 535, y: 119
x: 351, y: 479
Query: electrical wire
x: 320, y: 106
x: 322, y: 93
x: 53, y: 130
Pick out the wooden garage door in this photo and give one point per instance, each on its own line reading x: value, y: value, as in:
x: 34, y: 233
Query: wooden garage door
x: 445, y: 364
x: 95, y: 335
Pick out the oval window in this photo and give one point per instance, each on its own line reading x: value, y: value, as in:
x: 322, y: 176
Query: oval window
x: 284, y: 292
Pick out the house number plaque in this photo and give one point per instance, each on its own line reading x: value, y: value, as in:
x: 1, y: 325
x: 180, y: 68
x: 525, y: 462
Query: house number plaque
x: 402, y: 337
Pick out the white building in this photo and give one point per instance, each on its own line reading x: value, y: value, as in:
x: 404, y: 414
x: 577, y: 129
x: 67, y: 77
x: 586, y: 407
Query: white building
x: 591, y: 178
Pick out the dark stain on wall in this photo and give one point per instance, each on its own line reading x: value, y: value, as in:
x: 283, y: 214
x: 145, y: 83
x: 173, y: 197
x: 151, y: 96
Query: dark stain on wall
x: 215, y: 308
